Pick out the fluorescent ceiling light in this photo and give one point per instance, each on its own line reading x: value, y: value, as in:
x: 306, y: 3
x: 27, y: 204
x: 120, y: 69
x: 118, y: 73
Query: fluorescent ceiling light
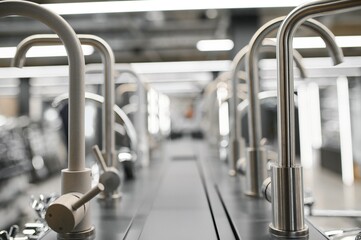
x: 163, y: 5
x: 43, y: 51
x: 215, y: 45
x: 317, y: 42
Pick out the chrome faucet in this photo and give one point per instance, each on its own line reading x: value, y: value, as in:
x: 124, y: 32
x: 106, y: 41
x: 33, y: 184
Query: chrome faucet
x: 107, y: 158
x: 286, y: 177
x: 69, y: 215
x: 141, y: 126
x: 120, y: 115
x: 256, y: 154
x: 234, y: 119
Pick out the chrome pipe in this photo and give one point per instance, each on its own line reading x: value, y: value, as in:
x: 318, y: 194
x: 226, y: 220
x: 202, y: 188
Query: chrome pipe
x: 285, y: 76
x: 142, y: 121
x: 234, y: 120
x: 255, y: 131
x: 257, y: 156
x: 335, y: 213
x: 108, y: 60
x: 287, y: 183
x: 120, y: 113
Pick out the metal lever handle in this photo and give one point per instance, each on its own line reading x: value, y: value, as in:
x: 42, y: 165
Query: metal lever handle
x: 65, y: 213
x: 99, y: 157
x: 110, y: 177
x: 88, y: 196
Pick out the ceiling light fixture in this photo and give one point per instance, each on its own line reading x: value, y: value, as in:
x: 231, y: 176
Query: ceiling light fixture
x: 317, y: 42
x: 163, y: 5
x: 215, y: 45
x: 43, y: 51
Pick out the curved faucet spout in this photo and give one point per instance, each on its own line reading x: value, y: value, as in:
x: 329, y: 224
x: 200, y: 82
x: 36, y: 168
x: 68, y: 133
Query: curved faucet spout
x: 255, y: 130
x: 76, y: 72
x: 234, y: 119
x: 285, y: 76
x: 107, y: 56
x: 142, y: 128
x: 120, y: 113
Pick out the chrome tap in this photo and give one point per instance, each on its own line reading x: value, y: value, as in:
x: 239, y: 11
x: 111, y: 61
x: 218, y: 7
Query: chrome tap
x: 76, y: 179
x: 256, y: 154
x: 142, y: 122
x: 287, y: 181
x: 107, y: 56
x: 234, y: 119
x: 120, y: 115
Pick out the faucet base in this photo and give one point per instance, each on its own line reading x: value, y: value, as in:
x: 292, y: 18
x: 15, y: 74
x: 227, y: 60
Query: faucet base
x: 233, y: 153
x: 300, y: 234
x: 83, y: 235
x: 287, y: 202
x: 256, y: 171
x: 109, y: 201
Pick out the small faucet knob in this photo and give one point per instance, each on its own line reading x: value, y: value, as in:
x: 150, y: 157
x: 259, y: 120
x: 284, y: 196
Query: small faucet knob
x: 65, y: 213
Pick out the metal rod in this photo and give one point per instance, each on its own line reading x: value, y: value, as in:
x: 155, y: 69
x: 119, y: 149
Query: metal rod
x: 120, y: 113
x: 285, y: 35
x: 234, y: 119
x: 255, y: 129
x: 142, y: 126
x: 108, y: 60
x: 88, y: 196
x: 76, y: 159
x: 287, y: 179
x: 335, y: 213
x: 99, y: 156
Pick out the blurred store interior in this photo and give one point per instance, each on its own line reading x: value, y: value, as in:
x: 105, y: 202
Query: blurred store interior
x: 180, y: 120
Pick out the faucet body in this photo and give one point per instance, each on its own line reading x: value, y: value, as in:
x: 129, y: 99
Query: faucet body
x: 76, y: 178
x: 287, y: 182
x: 107, y: 56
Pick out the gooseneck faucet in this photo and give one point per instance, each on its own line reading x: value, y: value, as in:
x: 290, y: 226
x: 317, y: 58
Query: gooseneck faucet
x: 69, y: 215
x: 287, y: 181
x: 111, y: 175
x: 120, y: 114
x: 235, y: 143
x: 234, y: 119
x: 256, y: 154
x: 141, y: 126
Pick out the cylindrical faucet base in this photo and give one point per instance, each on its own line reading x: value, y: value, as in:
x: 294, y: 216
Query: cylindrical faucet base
x: 234, y: 154
x: 287, y: 202
x: 256, y: 171
x: 85, y: 235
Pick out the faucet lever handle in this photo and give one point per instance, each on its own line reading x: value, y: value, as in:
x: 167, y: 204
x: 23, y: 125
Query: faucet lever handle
x: 88, y: 196
x: 99, y: 156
